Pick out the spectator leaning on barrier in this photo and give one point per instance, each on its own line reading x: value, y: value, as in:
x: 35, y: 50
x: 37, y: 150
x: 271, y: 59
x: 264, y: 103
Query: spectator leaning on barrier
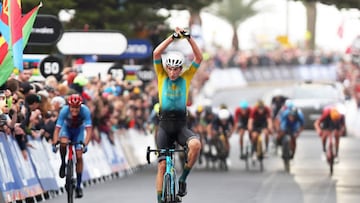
x: 32, y: 102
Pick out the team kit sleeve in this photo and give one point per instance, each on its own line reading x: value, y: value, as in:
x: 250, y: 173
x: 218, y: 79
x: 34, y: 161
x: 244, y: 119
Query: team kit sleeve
x: 62, y: 115
x: 86, y: 114
x: 159, y: 69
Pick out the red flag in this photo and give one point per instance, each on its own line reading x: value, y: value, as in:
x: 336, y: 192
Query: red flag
x: 15, y: 20
x: 16, y: 33
x: 3, y: 49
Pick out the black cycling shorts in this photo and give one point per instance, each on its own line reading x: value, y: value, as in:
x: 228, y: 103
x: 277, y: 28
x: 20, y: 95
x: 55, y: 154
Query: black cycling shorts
x: 328, y: 125
x: 171, y: 131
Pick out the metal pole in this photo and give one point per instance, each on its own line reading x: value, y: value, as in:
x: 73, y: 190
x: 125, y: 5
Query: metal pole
x: 287, y: 18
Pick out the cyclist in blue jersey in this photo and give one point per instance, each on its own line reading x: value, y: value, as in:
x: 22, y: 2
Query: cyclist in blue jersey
x: 173, y: 88
x: 74, y: 119
x: 291, y: 122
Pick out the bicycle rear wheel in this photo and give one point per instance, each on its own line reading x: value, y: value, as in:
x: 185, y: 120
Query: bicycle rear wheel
x: 247, y: 156
x: 331, y: 159
x: 260, y: 152
x: 69, y: 182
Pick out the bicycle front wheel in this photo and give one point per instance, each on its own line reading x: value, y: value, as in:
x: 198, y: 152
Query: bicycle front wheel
x: 286, y: 154
x: 260, y: 152
x: 69, y: 182
x: 168, y: 193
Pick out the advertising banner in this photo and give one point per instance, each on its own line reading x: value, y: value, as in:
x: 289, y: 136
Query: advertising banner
x: 95, y: 162
x: 7, y: 179
x: 25, y: 177
x: 109, y: 150
x: 42, y: 167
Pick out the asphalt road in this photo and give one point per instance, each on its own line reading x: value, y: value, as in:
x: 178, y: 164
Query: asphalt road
x: 308, y: 182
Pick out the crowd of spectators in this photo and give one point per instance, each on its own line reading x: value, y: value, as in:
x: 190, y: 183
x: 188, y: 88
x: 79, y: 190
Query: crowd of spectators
x: 30, y: 108
x: 276, y: 57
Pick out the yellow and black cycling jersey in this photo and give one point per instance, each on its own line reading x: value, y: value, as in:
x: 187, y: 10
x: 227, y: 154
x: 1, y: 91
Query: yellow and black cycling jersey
x: 174, y: 94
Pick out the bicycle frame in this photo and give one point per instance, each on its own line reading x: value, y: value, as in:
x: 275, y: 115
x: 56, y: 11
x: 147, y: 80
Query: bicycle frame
x: 169, y: 188
x: 169, y: 181
x: 69, y: 182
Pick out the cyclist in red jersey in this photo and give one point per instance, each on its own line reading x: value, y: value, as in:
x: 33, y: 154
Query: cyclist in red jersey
x: 260, y: 121
x: 242, y: 114
x: 330, y: 121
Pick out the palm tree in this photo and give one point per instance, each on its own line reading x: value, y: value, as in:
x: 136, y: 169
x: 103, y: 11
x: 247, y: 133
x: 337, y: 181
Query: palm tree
x: 311, y: 23
x: 234, y: 12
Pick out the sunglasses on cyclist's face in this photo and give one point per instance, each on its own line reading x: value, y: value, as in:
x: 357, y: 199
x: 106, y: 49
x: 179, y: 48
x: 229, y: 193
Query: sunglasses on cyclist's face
x: 173, y: 68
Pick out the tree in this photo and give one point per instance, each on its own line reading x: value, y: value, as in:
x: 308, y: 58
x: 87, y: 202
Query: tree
x: 311, y: 12
x: 346, y: 4
x: 120, y: 15
x: 235, y: 12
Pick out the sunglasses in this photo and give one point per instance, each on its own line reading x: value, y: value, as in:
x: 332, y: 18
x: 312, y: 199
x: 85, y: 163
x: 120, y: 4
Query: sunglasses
x: 173, y: 68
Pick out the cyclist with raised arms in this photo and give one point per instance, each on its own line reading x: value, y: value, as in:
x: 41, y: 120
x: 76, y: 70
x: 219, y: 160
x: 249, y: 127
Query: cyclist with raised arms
x: 74, y: 119
x: 330, y: 121
x: 173, y: 88
x: 242, y: 113
x: 260, y: 121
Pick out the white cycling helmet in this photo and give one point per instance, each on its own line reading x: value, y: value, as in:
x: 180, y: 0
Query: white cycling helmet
x: 174, y: 59
x: 224, y: 114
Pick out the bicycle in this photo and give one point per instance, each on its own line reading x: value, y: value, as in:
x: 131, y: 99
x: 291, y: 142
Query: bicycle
x: 70, y: 181
x: 331, y: 151
x: 169, y: 191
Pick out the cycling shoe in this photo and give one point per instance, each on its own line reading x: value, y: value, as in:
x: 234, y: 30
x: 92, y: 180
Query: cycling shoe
x: 182, y: 189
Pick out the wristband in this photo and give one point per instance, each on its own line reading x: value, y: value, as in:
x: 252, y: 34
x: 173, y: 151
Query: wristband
x: 186, y: 34
x: 175, y: 35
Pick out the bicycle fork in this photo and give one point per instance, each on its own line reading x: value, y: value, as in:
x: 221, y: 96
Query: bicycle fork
x: 169, y: 186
